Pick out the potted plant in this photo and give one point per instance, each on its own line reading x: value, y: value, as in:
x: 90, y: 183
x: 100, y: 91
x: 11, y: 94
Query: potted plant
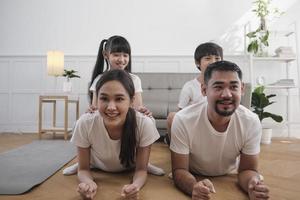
x: 67, y: 86
x: 259, y: 102
x: 259, y: 39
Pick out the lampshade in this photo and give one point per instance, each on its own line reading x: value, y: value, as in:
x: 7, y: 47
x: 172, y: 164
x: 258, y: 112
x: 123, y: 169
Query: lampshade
x: 55, y: 63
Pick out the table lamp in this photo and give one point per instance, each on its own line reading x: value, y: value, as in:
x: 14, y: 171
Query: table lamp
x: 55, y: 64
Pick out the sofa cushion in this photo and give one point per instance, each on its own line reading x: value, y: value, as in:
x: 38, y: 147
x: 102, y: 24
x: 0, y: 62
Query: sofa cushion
x: 161, y: 91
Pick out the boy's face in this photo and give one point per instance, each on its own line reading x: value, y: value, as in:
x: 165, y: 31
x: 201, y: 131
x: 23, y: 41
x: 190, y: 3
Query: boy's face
x: 207, y: 60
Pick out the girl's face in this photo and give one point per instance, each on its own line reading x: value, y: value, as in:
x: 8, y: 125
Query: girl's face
x: 113, y: 103
x: 117, y: 60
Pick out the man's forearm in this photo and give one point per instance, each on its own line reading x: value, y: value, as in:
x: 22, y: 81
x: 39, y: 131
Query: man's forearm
x: 244, y: 178
x: 184, y: 180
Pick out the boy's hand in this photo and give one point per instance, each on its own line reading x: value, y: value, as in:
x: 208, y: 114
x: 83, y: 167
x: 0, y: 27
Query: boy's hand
x: 202, y: 190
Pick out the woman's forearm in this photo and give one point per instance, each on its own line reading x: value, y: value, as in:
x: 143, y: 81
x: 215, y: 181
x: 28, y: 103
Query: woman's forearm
x: 85, y: 176
x: 139, y: 178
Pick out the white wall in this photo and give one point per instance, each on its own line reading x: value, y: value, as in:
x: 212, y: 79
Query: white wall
x: 163, y: 36
x: 169, y: 27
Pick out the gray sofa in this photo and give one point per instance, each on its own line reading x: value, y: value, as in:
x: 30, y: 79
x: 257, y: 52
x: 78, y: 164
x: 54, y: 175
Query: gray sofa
x: 161, y: 92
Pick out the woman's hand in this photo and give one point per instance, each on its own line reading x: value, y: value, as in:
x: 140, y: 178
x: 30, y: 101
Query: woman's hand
x: 130, y: 191
x: 87, y: 190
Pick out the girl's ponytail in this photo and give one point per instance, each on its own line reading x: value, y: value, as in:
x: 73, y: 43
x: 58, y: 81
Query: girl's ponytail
x: 99, y: 66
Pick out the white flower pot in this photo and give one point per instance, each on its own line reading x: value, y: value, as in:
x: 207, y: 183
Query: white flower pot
x: 67, y: 86
x: 266, y: 136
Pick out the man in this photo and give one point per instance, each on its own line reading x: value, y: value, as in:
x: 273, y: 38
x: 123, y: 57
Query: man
x: 210, y: 136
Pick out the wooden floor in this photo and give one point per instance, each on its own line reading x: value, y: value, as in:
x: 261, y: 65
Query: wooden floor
x: 279, y: 163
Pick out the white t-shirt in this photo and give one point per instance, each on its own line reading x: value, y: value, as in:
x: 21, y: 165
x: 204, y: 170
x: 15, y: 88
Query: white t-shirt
x: 90, y: 132
x: 214, y: 153
x: 190, y: 93
x: 135, y: 79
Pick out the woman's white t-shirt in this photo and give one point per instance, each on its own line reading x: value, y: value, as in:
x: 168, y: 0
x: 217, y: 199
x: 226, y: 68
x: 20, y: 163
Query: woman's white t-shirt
x: 90, y: 132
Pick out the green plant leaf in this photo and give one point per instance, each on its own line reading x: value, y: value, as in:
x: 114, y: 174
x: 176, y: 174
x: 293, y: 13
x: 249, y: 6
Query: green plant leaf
x: 276, y: 118
x: 251, y: 34
x: 253, y: 46
x: 259, y: 101
x: 70, y: 74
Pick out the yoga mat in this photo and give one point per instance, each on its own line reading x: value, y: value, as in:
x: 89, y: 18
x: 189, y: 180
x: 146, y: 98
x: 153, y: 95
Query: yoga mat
x: 29, y: 165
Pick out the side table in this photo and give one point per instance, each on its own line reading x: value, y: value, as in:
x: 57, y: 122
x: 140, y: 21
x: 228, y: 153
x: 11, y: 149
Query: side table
x: 53, y: 100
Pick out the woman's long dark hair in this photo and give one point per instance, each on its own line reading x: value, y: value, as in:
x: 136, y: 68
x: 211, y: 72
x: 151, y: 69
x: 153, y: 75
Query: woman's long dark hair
x: 111, y: 45
x: 128, y: 138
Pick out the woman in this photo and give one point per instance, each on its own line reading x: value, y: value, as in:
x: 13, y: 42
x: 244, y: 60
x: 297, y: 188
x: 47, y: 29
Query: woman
x: 115, y: 137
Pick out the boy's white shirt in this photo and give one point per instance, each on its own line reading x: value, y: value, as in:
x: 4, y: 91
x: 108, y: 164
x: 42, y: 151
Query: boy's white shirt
x: 190, y: 94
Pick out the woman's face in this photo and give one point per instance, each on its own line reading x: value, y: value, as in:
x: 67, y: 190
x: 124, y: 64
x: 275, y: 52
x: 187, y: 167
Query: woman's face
x: 117, y: 60
x: 113, y: 103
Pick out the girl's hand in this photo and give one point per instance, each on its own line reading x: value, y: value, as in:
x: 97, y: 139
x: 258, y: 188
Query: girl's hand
x: 144, y: 110
x: 91, y: 109
x: 87, y: 190
x: 130, y: 191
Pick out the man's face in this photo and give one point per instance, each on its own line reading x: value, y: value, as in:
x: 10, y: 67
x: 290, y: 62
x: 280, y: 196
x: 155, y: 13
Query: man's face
x: 223, y: 92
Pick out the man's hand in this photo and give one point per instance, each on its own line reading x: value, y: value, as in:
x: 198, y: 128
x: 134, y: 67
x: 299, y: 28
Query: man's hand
x: 257, y: 189
x: 202, y: 190
x: 91, y: 109
x: 130, y: 192
x: 144, y: 110
x: 87, y: 190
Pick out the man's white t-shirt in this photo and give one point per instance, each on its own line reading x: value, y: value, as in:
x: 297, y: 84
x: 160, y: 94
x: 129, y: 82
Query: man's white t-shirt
x: 214, y: 153
x: 190, y: 93
x: 135, y: 79
x: 90, y: 132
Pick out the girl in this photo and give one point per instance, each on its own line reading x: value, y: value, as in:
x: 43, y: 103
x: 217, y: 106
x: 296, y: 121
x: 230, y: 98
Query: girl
x: 115, y: 137
x: 116, y: 53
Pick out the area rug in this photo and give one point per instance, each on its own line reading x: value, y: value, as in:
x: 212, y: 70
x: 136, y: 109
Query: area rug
x: 29, y: 165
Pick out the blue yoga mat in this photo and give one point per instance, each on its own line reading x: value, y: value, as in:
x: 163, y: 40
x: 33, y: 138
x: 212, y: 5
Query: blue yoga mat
x: 29, y: 165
